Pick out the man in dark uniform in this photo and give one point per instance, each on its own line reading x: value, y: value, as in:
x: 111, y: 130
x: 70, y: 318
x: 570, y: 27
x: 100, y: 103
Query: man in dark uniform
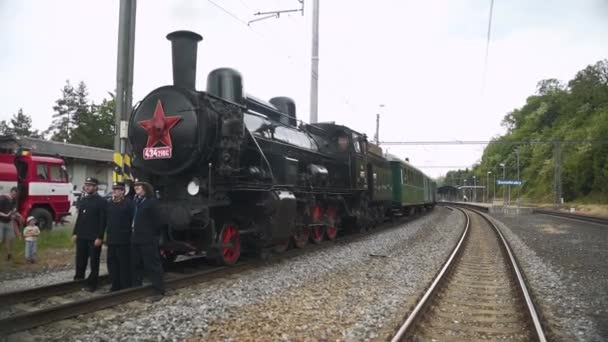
x: 144, y: 241
x: 120, y: 217
x: 88, y: 233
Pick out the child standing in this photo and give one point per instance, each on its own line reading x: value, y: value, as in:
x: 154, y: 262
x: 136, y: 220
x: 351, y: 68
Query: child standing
x: 31, y: 233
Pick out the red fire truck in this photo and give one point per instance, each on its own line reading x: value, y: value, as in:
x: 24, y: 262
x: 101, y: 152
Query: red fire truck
x: 44, y: 189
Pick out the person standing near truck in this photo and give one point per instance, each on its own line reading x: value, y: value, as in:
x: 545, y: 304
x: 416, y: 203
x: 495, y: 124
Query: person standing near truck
x: 8, y: 213
x: 88, y: 233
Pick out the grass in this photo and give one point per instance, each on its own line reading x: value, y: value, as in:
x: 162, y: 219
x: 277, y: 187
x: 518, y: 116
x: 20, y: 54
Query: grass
x: 49, y: 242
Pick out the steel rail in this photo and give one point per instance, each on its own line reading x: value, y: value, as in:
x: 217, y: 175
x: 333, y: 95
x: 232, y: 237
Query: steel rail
x: 415, y: 314
x: 532, y: 312
x: 15, y: 297
x: 580, y: 217
x: 37, y: 318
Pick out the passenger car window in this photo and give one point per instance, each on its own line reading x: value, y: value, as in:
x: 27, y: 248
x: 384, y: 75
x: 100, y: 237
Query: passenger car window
x: 42, y: 171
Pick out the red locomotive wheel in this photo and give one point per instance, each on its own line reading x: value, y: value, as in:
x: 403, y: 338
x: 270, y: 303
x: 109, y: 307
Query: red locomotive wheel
x: 316, y: 234
x: 317, y: 212
x: 332, y: 230
x: 231, y: 241
x: 168, y: 256
x: 300, y: 239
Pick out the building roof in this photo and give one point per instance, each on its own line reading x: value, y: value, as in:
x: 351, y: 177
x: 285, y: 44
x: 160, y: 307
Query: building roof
x: 55, y: 148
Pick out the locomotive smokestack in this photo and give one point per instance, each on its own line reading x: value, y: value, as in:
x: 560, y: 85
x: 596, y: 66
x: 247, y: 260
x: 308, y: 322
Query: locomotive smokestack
x: 183, y: 50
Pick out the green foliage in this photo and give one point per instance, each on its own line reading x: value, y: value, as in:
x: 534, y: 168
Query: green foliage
x: 78, y: 121
x: 20, y: 124
x: 576, y: 113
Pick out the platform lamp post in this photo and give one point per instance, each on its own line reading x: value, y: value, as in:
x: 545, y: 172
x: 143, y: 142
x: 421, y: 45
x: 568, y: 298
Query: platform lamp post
x: 474, y: 188
x: 519, y: 186
x: 504, y: 193
x: 488, y: 186
x: 494, y: 188
x: 464, y: 190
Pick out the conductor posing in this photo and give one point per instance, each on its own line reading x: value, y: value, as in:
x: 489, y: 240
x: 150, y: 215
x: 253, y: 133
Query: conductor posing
x: 88, y: 233
x: 119, y: 218
x: 144, y: 241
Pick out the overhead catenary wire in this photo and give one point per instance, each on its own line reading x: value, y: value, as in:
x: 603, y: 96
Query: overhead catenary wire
x: 272, y: 45
x: 234, y: 16
x: 489, y: 35
x: 487, y: 142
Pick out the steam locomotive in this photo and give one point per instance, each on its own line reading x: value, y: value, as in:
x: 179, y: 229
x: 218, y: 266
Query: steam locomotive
x: 233, y: 172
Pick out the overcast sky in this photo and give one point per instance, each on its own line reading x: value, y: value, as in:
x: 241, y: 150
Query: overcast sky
x: 422, y: 59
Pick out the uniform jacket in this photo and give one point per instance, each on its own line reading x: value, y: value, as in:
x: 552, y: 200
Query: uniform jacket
x: 91, y: 221
x: 146, y: 222
x: 119, y: 221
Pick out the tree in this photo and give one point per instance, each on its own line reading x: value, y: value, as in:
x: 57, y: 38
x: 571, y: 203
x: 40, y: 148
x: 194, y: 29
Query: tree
x: 5, y: 129
x: 21, y: 124
x: 63, y: 117
x: 78, y: 121
x: 96, y: 126
x: 577, y: 113
x: 548, y: 86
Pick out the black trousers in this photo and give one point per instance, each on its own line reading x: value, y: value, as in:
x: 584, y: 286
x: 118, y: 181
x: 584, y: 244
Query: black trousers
x: 119, y: 266
x: 86, y: 251
x: 145, y: 258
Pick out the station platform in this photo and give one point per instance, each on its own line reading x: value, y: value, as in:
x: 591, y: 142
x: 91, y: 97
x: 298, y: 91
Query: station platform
x: 495, y: 208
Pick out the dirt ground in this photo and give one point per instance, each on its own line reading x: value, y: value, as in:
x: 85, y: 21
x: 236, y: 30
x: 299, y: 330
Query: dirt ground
x: 47, y: 259
x: 586, y: 209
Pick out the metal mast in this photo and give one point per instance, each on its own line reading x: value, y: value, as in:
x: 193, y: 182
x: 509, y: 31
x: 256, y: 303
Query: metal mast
x: 314, y: 72
x: 124, y: 80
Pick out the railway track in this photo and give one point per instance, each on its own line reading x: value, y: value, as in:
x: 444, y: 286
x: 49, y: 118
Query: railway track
x: 479, y: 294
x: 30, y: 313
x: 580, y: 217
x: 24, y: 310
x: 11, y: 298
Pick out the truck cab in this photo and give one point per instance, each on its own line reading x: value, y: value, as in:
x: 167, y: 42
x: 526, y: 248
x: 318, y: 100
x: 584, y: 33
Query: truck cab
x: 44, y: 189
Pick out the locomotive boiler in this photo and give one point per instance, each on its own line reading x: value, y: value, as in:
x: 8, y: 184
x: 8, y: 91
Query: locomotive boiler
x: 234, y: 172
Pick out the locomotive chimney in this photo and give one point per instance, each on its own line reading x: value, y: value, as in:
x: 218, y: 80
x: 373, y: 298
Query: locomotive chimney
x: 183, y: 51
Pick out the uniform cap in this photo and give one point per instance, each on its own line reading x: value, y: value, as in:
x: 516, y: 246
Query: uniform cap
x: 118, y: 185
x: 92, y: 181
x: 30, y: 218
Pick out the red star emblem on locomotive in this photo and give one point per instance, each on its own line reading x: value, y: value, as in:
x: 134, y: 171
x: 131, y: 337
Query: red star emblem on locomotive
x: 158, y: 128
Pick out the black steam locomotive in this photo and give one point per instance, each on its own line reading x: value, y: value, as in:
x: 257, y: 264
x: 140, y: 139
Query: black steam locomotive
x: 234, y: 172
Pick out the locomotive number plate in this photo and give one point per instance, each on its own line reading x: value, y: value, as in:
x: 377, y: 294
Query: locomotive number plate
x: 164, y: 152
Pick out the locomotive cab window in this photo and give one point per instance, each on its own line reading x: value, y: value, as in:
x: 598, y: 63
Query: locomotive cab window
x: 294, y: 137
x: 258, y: 125
x: 356, y: 143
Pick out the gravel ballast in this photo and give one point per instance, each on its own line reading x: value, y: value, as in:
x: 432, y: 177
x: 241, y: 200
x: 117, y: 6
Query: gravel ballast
x: 565, y: 265
x: 23, y: 279
x: 359, y: 290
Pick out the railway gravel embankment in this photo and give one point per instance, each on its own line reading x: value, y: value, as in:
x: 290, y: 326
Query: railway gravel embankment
x: 349, y: 291
x: 565, y: 265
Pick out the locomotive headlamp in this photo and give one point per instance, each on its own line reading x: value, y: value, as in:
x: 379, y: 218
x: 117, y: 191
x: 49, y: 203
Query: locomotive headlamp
x: 194, y: 186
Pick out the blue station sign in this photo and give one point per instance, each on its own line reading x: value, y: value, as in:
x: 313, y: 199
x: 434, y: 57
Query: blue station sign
x: 508, y: 182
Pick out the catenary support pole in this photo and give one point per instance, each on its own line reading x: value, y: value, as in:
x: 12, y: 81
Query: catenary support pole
x: 314, y: 73
x: 124, y: 80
